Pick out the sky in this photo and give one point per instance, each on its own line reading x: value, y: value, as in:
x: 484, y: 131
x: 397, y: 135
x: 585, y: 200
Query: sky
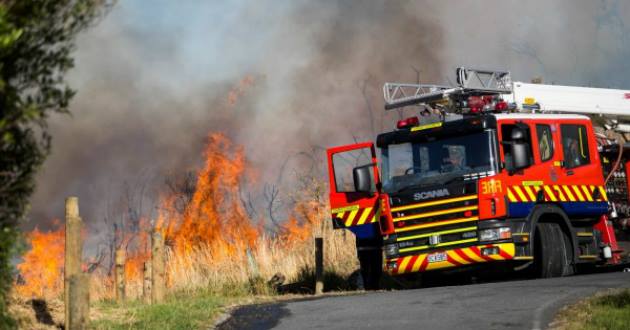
x: 154, y: 79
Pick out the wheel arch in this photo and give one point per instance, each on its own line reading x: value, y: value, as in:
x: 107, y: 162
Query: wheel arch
x: 550, y: 213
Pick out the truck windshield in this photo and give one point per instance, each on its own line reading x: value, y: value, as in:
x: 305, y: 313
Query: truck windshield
x: 415, y: 164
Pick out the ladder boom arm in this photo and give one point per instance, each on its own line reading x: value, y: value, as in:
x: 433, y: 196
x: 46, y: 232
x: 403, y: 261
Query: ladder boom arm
x: 606, y: 102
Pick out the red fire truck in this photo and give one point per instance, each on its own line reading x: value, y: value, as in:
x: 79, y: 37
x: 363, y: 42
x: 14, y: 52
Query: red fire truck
x: 490, y: 173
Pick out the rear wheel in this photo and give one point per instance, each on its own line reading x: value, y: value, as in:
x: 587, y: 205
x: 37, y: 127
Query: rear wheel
x: 553, y: 252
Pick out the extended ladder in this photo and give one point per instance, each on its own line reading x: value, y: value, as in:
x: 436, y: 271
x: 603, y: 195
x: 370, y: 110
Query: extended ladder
x: 612, y: 104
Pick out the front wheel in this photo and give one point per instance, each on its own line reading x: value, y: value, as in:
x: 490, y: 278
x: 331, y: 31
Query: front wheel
x: 553, y: 251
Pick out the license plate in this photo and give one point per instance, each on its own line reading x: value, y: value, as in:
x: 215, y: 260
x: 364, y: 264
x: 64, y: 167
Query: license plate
x: 437, y: 257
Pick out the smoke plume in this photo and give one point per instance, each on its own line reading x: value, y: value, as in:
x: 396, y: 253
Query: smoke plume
x: 286, y: 80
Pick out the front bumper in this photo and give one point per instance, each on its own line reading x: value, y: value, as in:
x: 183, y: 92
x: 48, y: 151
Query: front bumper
x: 450, y: 258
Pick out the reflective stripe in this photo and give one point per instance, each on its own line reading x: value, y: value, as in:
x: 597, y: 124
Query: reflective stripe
x: 520, y: 194
x: 442, y: 212
x: 435, y: 224
x: 567, y: 191
x: 439, y: 202
x: 452, y: 231
x: 364, y: 216
x: 550, y: 193
x: 530, y: 193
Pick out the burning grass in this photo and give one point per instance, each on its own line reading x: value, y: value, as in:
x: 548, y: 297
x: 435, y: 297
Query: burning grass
x: 214, y: 246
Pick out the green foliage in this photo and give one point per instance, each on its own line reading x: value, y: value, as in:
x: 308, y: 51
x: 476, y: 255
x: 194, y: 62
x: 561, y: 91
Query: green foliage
x: 610, y: 312
x: 36, y: 42
x: 604, y: 311
x: 185, y: 312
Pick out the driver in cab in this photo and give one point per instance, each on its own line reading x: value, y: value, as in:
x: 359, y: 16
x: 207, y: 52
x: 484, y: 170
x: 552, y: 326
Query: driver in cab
x: 454, y: 160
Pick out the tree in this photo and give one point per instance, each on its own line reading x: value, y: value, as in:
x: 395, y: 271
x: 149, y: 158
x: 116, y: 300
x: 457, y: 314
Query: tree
x: 36, y: 44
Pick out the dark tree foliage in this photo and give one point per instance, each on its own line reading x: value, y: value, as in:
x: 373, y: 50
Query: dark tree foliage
x: 36, y: 44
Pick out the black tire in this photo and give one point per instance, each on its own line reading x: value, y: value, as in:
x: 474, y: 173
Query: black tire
x: 371, y: 261
x: 553, y: 254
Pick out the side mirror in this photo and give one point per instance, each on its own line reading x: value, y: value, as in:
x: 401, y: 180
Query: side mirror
x: 362, y: 178
x: 520, y: 154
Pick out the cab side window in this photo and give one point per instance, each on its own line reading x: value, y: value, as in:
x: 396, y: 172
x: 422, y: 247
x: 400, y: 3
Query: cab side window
x: 506, y: 135
x: 545, y: 142
x: 574, y: 145
x: 344, y: 163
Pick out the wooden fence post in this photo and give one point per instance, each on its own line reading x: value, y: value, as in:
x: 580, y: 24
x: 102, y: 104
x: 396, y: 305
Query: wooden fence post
x: 73, y: 251
x: 120, y: 275
x: 79, y: 299
x: 157, y: 268
x: 319, y: 265
x: 146, y: 285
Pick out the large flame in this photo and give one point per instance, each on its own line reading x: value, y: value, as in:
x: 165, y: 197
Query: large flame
x: 214, y: 217
x: 208, y: 233
x: 42, y: 267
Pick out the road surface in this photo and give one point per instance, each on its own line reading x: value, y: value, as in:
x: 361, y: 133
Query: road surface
x: 523, y: 304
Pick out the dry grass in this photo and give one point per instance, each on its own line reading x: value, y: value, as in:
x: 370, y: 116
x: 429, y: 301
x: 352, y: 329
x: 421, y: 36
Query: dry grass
x: 199, y: 269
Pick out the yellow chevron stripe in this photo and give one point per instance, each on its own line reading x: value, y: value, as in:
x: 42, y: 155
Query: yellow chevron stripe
x: 403, y: 264
x: 472, y: 255
x: 452, y: 231
x: 511, y: 195
x: 351, y: 217
x: 530, y: 192
x: 364, y: 215
x: 578, y: 193
x: 587, y: 193
x: 436, y: 224
x: 603, y: 192
x: 567, y: 191
x: 457, y: 258
x: 439, y: 202
x: 416, y: 265
x: 559, y: 193
x: 507, y: 248
x: 552, y: 196
x: 520, y: 194
x: 441, y: 212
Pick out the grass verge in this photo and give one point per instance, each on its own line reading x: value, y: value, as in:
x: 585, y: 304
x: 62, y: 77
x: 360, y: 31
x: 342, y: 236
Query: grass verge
x: 183, y: 312
x: 609, y: 310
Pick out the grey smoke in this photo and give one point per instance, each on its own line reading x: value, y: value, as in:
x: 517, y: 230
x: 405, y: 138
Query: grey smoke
x: 153, y: 83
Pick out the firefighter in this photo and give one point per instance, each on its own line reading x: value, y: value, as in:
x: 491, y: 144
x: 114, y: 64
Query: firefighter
x: 455, y: 160
x: 573, y: 157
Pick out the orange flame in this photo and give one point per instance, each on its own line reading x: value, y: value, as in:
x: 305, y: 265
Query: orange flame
x: 214, y: 216
x: 42, y: 267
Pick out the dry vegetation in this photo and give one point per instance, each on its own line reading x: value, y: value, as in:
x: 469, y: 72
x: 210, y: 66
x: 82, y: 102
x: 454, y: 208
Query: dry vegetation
x: 214, y: 246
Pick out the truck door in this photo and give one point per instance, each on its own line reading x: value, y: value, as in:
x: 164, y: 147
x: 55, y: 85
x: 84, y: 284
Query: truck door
x: 581, y: 170
x: 356, y: 210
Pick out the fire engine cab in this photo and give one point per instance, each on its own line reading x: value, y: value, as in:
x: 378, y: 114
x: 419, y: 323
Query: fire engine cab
x: 489, y: 173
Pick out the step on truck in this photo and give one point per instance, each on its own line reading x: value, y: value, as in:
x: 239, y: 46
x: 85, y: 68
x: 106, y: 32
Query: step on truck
x: 489, y: 174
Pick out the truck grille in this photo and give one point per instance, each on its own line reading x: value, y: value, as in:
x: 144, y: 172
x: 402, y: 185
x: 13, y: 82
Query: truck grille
x: 436, y: 224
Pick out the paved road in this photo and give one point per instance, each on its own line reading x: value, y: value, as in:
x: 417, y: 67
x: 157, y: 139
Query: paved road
x: 524, y: 304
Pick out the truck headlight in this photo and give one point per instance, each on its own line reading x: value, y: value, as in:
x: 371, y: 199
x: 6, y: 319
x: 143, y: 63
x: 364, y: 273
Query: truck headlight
x: 495, y: 234
x: 391, y: 250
